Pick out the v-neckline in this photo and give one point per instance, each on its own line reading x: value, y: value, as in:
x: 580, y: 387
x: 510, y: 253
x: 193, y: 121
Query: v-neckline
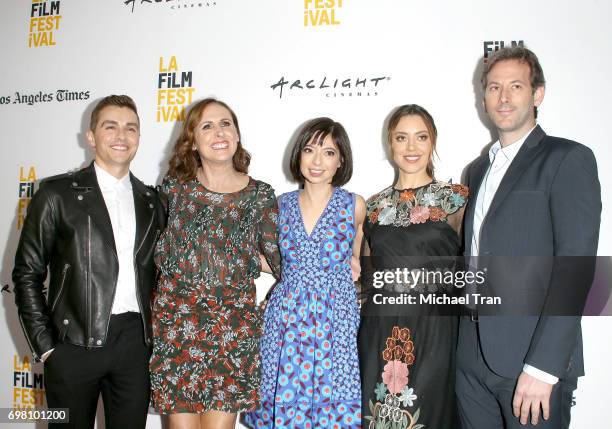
x: 316, y: 225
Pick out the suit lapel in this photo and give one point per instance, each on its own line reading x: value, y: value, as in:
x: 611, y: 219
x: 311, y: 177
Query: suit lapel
x: 144, y: 209
x: 516, y: 169
x: 89, y: 197
x: 475, y: 177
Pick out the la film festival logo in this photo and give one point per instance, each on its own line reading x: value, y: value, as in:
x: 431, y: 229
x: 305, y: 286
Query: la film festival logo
x: 174, y: 91
x: 26, y: 191
x: 44, y: 22
x: 492, y: 46
x: 171, y: 4
x: 28, y: 385
x: 319, y: 13
x: 332, y: 86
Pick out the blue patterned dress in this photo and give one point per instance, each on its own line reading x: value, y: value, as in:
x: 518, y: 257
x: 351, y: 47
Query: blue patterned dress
x: 310, y: 368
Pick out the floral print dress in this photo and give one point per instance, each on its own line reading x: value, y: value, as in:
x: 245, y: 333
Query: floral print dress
x: 407, y: 353
x: 206, y: 324
x: 310, y: 370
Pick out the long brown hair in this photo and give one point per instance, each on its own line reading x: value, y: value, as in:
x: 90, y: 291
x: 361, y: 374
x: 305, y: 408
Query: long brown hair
x: 185, y: 161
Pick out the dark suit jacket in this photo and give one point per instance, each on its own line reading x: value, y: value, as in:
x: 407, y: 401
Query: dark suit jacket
x: 547, y: 207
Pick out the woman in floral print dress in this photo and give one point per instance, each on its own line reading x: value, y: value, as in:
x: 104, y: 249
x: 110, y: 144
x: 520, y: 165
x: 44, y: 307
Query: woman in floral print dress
x: 206, y: 325
x: 407, y: 352
x: 310, y: 370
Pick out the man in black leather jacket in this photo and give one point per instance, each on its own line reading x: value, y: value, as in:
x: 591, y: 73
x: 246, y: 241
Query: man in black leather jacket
x: 94, y: 231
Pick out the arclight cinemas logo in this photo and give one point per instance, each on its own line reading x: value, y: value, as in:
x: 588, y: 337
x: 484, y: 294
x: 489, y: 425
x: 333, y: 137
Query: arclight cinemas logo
x: 170, y: 4
x: 332, y: 86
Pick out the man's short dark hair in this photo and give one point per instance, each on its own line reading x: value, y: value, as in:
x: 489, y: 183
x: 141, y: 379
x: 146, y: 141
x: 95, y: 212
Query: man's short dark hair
x: 111, y: 100
x: 316, y: 130
x: 522, y: 55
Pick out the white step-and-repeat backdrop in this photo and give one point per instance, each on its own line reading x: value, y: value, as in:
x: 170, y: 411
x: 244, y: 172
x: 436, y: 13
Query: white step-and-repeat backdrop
x: 279, y: 63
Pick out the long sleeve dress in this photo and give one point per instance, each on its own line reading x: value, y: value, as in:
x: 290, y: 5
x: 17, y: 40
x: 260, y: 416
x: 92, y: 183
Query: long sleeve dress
x: 206, y: 324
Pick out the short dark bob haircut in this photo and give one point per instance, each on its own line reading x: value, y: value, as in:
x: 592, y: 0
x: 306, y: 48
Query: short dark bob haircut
x: 315, y: 131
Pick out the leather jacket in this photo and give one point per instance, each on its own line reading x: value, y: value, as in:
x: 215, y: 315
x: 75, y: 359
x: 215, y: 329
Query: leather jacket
x: 68, y: 234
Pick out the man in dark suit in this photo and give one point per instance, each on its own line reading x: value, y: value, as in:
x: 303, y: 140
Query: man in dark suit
x: 534, y: 215
x: 94, y: 231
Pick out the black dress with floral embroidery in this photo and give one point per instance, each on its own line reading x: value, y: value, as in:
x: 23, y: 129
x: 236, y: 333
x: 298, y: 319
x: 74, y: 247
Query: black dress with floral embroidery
x: 407, y: 357
x: 206, y: 324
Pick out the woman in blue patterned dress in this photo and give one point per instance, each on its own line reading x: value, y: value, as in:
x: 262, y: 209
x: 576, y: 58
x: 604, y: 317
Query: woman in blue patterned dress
x: 310, y: 369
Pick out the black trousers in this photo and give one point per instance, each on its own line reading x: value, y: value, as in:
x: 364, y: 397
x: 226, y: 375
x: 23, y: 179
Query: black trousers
x: 75, y: 377
x: 485, y: 398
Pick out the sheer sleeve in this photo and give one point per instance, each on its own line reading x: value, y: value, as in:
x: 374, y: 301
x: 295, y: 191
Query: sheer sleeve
x: 267, y: 234
x: 455, y: 220
x: 365, y: 282
x: 457, y: 201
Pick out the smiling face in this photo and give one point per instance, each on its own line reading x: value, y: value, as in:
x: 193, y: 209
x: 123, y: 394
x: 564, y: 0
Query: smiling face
x: 320, y: 160
x: 411, y: 145
x: 216, y: 137
x: 115, y: 139
x: 509, y: 99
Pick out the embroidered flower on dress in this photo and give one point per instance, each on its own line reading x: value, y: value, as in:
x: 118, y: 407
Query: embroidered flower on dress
x: 383, y: 203
x: 395, y: 333
x: 429, y: 199
x: 386, y: 412
x: 436, y: 213
x: 457, y: 199
x: 398, y: 353
x: 460, y: 189
x: 380, y: 391
x: 419, y: 214
x: 407, y: 397
x: 387, y: 216
x: 395, y: 376
x: 388, y: 354
x: 406, y: 195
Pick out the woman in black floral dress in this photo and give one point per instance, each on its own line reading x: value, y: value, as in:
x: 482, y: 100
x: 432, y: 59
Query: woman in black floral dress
x: 206, y: 325
x: 407, y: 351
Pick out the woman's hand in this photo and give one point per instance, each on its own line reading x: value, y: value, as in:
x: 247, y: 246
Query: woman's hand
x: 355, y: 268
x: 265, y: 267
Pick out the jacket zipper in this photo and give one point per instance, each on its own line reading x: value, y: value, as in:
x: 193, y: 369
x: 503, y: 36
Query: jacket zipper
x: 110, y: 314
x: 62, y: 284
x: 142, y: 316
x: 28, y: 338
x: 88, y: 285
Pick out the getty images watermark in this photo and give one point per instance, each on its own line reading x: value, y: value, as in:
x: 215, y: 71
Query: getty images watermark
x: 433, y: 287
x: 550, y: 285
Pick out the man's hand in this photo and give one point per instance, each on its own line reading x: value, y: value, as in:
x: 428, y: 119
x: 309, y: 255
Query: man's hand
x: 530, y: 395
